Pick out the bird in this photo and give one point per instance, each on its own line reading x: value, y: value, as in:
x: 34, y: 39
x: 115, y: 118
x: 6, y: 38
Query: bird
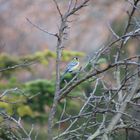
x: 71, y: 66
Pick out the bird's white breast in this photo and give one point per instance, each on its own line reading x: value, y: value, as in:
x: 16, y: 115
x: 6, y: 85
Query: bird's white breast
x: 74, y: 67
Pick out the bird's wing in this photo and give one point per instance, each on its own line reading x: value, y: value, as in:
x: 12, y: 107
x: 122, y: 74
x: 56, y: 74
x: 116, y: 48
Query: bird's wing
x: 69, y: 68
x: 71, y: 65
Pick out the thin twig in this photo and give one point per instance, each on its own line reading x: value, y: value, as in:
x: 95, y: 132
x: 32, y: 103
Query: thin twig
x: 38, y: 27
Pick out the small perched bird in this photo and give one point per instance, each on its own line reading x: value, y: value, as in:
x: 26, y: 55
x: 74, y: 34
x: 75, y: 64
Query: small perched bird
x: 73, y: 65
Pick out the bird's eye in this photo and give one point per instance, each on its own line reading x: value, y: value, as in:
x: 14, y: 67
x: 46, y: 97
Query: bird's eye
x: 75, y: 58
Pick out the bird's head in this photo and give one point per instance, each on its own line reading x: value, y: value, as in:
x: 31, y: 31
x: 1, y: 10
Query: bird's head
x: 76, y: 59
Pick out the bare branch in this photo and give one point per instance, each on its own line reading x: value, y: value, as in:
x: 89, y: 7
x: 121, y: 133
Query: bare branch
x: 70, y: 86
x: 58, y: 9
x: 36, y: 26
x: 129, y: 97
x: 24, y: 64
x: 110, y: 28
x: 7, y: 91
x: 19, y: 124
x: 76, y: 8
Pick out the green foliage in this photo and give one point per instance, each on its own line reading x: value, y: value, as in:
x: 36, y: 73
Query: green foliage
x: 11, y: 83
x: 41, y: 102
x: 5, y: 62
x: 44, y: 56
x: 24, y: 110
x: 67, y: 78
x: 16, y: 104
x: 45, y: 89
x: 6, y: 107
